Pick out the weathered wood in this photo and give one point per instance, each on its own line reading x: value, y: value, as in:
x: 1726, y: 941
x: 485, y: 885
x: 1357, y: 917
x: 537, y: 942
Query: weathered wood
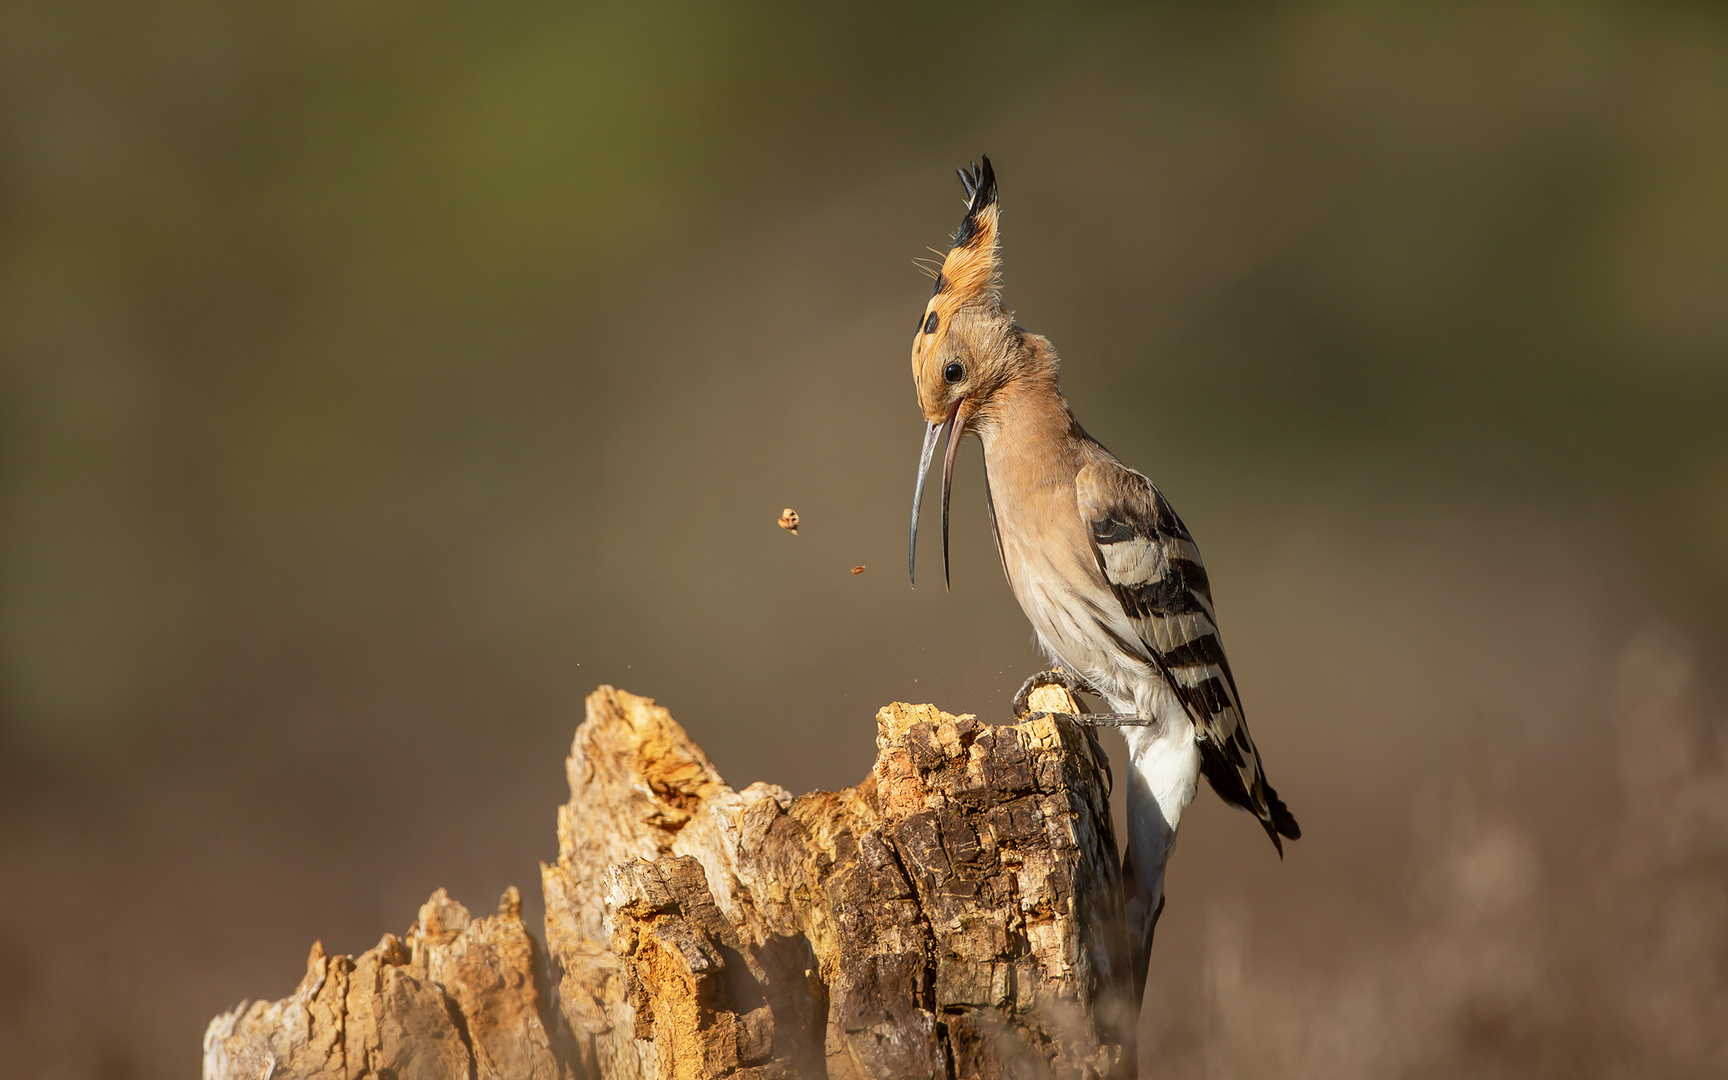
x: 455, y: 997
x: 958, y: 913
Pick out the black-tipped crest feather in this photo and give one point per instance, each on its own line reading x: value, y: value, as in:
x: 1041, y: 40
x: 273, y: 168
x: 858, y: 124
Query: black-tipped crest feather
x: 980, y: 185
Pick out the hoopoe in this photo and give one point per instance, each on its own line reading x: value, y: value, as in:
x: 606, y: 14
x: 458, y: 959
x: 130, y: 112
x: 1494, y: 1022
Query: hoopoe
x: 1105, y: 570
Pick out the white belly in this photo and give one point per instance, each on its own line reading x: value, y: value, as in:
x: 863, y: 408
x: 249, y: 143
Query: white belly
x: 1163, y: 756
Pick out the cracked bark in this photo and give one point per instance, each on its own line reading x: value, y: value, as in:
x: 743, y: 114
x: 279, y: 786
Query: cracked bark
x: 956, y: 914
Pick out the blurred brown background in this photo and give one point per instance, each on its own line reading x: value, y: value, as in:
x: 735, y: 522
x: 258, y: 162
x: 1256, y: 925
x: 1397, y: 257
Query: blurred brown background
x: 377, y: 378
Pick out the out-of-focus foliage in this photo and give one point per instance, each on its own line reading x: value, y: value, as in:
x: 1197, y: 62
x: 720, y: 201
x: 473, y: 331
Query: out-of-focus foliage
x: 377, y: 377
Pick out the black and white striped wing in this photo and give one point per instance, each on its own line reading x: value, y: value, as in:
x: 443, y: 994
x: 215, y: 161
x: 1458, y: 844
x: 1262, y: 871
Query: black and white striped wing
x: 1154, y: 568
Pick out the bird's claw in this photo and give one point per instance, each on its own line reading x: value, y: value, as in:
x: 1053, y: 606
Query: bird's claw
x: 1114, y: 719
x: 1109, y: 719
x: 1069, y: 681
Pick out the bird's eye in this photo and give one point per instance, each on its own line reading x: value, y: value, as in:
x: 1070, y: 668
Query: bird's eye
x: 930, y: 324
x: 953, y: 372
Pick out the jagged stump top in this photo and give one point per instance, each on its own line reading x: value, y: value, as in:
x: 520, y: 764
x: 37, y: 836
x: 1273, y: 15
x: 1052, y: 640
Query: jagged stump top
x: 957, y: 913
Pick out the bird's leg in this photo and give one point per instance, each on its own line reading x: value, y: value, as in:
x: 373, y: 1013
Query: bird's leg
x: 1114, y: 719
x: 1074, y: 684
x: 1069, y: 681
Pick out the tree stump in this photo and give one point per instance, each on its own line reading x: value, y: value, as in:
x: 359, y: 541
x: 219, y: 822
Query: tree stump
x: 956, y: 914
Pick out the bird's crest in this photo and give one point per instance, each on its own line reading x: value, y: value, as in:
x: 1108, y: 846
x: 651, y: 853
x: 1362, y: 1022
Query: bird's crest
x: 969, y: 279
x: 971, y: 270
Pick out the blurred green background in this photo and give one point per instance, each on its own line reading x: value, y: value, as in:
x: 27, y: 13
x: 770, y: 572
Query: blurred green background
x: 376, y: 379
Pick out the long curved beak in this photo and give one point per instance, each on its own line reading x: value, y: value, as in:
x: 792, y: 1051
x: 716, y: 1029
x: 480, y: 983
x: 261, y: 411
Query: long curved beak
x: 930, y: 435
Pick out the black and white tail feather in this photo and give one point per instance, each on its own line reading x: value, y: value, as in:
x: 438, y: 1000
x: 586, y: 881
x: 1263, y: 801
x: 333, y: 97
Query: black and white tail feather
x: 1154, y: 568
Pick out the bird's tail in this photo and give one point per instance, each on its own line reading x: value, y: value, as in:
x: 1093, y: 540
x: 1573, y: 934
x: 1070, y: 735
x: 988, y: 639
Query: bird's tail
x: 1279, y: 822
x: 1151, y: 833
x: 1145, y: 902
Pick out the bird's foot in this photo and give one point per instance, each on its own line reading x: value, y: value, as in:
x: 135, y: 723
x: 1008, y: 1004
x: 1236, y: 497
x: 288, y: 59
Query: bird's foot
x: 1114, y: 719
x: 1105, y: 719
x: 1069, y: 681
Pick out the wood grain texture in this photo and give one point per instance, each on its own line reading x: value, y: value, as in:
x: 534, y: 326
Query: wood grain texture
x: 958, y: 914
x: 455, y: 997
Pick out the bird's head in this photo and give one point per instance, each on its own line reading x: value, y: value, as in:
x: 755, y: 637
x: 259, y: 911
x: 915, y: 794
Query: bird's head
x: 964, y: 335
x: 967, y: 346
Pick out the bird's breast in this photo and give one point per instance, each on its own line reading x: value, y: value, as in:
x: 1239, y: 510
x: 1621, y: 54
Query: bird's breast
x: 1053, y: 573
